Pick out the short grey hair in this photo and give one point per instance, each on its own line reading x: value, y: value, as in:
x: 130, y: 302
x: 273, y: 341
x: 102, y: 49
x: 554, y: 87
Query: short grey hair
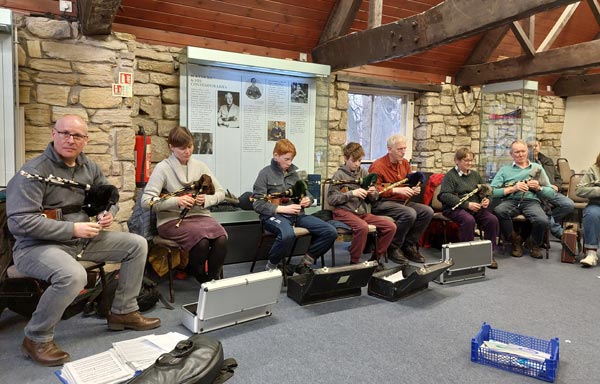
x: 394, y: 139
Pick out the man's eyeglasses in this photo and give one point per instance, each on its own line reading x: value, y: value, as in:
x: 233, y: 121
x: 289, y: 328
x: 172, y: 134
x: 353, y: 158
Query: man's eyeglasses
x: 66, y: 135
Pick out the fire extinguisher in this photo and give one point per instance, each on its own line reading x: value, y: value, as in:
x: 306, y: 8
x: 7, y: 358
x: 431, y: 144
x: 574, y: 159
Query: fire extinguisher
x: 142, y: 158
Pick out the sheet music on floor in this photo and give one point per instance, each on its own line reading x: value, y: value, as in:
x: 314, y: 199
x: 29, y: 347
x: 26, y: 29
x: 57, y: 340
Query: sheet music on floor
x: 140, y: 353
x: 120, y: 362
x: 101, y: 368
x: 395, y: 277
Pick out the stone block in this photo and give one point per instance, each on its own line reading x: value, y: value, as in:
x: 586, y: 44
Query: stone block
x: 149, y: 125
x: 164, y: 79
x: 34, y: 49
x: 115, y: 117
x: 78, y: 52
x: 49, y: 65
x: 155, y: 66
x: 140, y: 89
x: 171, y: 111
x: 98, y: 69
x: 38, y: 114
x: 58, y: 112
x: 151, y: 106
x: 105, y: 80
x: 160, y: 149
x: 170, y: 95
x: 165, y: 126
x: 52, y: 94
x: 48, y: 29
x: 24, y: 95
x: 56, y: 78
x: 151, y: 54
x: 99, y: 98
x: 124, y: 143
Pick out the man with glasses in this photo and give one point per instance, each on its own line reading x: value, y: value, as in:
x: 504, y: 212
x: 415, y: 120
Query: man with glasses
x: 47, y: 242
x: 411, y: 218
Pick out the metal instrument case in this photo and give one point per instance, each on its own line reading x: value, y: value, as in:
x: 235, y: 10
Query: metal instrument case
x: 231, y: 301
x: 470, y: 259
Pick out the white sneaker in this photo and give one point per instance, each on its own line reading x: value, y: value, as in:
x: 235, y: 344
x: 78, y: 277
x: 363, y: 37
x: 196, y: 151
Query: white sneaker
x: 590, y: 260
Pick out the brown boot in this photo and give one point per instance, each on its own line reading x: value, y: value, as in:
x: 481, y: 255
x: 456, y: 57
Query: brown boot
x: 517, y: 248
x: 133, y: 320
x: 47, y: 354
x: 536, y: 252
x: 493, y: 264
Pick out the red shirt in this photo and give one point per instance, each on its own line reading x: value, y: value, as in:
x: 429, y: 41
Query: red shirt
x: 389, y: 173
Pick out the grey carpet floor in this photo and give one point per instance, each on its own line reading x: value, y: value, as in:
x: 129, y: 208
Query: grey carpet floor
x: 424, y: 338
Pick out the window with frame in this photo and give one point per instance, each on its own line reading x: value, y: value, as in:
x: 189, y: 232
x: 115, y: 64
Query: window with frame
x: 374, y: 114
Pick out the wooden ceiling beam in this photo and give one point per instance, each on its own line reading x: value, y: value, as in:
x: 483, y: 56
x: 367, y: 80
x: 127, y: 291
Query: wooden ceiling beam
x: 522, y: 38
x: 96, y: 16
x: 576, y: 85
x: 558, y: 60
x: 487, y: 45
x: 375, y: 13
x: 558, y: 27
x: 446, y: 22
x: 340, y: 20
x: 595, y: 9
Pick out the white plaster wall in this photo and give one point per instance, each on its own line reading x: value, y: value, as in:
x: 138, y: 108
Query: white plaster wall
x: 581, y: 133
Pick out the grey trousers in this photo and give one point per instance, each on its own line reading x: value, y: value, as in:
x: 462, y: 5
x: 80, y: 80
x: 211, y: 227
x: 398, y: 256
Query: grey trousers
x: 56, y: 264
x: 411, y: 220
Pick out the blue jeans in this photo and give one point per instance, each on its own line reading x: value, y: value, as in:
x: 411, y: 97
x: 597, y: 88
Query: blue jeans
x: 282, y: 226
x: 531, y: 209
x: 56, y: 264
x: 591, y: 226
x: 561, y: 207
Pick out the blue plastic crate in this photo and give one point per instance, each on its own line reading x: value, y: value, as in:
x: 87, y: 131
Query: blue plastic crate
x: 540, y: 370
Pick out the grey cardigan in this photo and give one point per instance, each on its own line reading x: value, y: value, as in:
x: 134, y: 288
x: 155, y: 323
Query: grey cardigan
x: 170, y: 175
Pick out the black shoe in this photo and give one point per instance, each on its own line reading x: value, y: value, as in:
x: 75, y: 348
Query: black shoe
x: 397, y: 256
x: 303, y: 269
x: 412, y: 254
x: 380, y: 266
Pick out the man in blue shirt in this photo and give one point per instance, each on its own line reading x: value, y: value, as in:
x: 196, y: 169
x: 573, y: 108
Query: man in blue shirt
x: 520, y: 186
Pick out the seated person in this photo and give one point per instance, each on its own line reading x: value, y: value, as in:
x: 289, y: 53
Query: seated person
x: 352, y: 206
x: 521, y: 186
x: 46, y: 248
x: 589, y: 187
x: 279, y: 217
x: 412, y: 219
x: 459, y: 182
x: 560, y: 204
x: 198, y: 232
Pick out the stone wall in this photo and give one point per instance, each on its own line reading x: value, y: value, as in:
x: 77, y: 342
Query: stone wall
x: 62, y: 72
x: 440, y: 128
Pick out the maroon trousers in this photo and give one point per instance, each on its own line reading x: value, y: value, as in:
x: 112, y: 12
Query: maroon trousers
x: 360, y: 231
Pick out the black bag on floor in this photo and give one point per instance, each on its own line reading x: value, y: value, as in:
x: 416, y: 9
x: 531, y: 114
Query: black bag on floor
x: 147, y: 299
x: 197, y: 360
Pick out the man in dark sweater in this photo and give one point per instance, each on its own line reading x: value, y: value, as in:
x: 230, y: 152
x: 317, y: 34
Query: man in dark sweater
x: 561, y: 205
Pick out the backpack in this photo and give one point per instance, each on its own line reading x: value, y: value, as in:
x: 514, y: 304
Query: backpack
x: 197, y: 360
x: 147, y: 299
x: 142, y: 221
